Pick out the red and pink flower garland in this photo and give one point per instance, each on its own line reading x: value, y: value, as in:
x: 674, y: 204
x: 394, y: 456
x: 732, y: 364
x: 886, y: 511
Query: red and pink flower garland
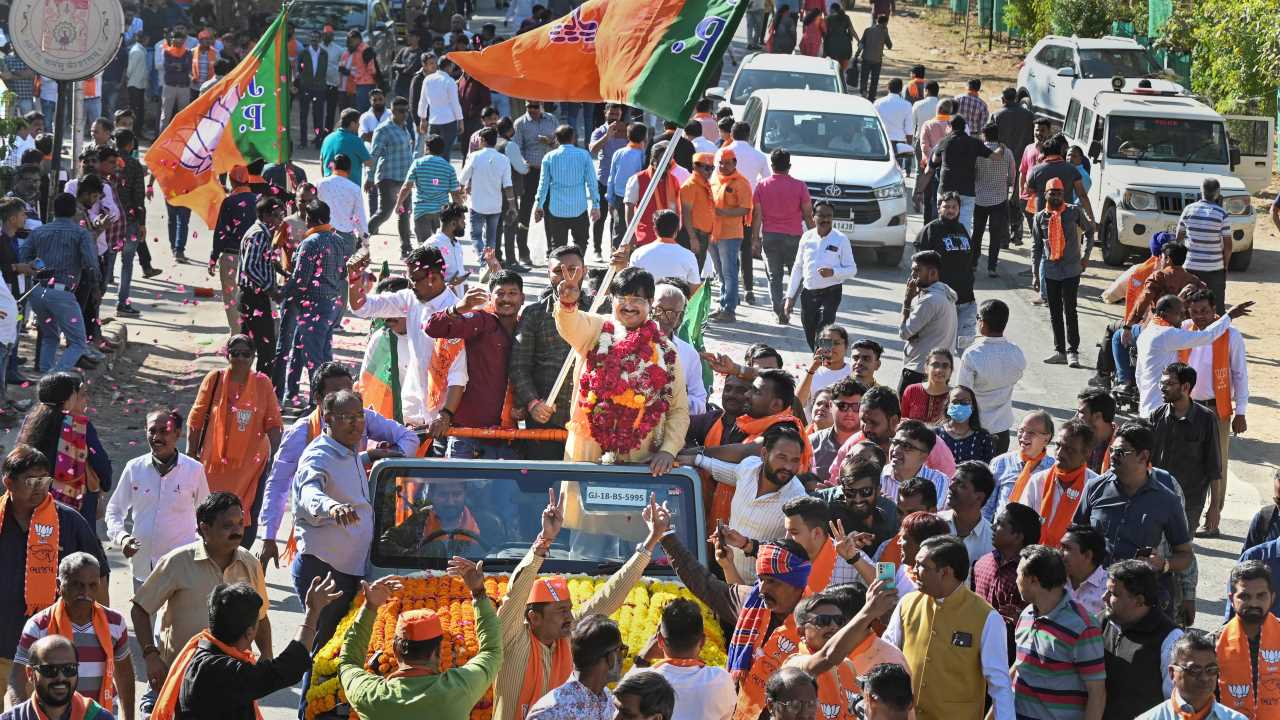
x: 626, y: 386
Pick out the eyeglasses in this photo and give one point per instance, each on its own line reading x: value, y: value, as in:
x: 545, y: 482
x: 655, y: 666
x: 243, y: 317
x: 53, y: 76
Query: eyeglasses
x: 866, y: 492
x: 633, y: 300
x: 825, y: 620
x: 1119, y: 452
x: 69, y: 670
x: 843, y: 406
x: 38, y: 481
x: 1029, y: 433
x: 1197, y: 672
x: 668, y: 312
x: 801, y: 708
x: 347, y: 417
x: 904, y: 444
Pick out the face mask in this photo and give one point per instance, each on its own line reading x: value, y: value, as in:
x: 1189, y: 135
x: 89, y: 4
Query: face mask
x: 615, y: 669
x: 959, y: 413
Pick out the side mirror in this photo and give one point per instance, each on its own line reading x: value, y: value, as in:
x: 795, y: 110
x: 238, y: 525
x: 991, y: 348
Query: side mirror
x: 1067, y: 72
x: 1234, y: 152
x: 716, y: 93
x: 1095, y: 150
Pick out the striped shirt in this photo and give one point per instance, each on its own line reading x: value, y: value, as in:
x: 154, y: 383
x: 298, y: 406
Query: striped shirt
x: 433, y: 179
x: 973, y: 109
x: 89, y: 652
x: 66, y: 250
x: 392, y: 152
x: 889, y: 484
x: 1206, y: 226
x: 255, y: 259
x: 567, y: 182
x: 756, y: 516
x: 1057, y: 654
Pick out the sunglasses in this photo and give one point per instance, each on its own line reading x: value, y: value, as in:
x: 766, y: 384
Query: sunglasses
x: 865, y: 492
x: 52, y: 671
x: 847, y: 406
x: 825, y: 620
x: 704, y: 166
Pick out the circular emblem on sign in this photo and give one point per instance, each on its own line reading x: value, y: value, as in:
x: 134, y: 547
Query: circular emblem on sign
x: 66, y: 39
x: 833, y: 190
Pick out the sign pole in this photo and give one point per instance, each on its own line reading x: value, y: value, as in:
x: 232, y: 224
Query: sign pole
x: 59, y: 128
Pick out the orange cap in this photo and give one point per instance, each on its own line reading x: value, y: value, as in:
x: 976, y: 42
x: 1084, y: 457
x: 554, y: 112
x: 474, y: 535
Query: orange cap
x: 552, y: 589
x: 726, y: 154
x: 415, y: 625
x: 240, y: 175
x: 327, y: 29
x: 1054, y: 184
x: 704, y: 158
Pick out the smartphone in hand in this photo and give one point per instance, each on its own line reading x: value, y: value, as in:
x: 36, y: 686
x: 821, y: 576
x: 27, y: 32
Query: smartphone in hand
x: 887, y: 573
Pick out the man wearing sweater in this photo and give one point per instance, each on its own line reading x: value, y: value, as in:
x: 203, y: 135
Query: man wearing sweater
x: 928, y: 316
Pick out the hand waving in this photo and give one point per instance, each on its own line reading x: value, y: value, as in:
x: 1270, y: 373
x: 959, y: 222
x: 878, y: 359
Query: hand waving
x: 378, y: 592
x: 657, y: 517
x: 471, y: 574
x: 570, y: 287
x: 475, y: 297
x: 322, y: 592
x: 848, y: 544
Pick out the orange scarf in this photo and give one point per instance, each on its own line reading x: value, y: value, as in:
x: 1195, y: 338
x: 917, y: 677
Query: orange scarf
x: 224, y: 415
x: 468, y: 523
x: 315, y: 426
x: 317, y: 229
x: 722, y: 495
x: 60, y: 624
x: 821, y: 569
x: 1057, y: 240
x: 1235, y: 680
x: 167, y: 703
x: 1028, y: 467
x: 1175, y: 703
x: 81, y: 708
x: 211, y: 56
x: 175, y: 51
x: 681, y: 662
x: 39, y: 585
x: 1221, y: 373
x: 1137, y: 281
x: 1071, y: 486
x: 534, y: 685
x: 442, y: 357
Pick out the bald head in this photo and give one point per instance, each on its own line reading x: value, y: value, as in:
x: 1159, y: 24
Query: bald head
x: 51, y: 650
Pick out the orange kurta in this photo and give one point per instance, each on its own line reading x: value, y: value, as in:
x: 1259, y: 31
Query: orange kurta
x: 236, y: 448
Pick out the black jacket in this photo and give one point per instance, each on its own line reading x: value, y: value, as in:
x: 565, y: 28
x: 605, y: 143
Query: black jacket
x: 311, y: 73
x: 1135, y: 670
x: 220, y: 687
x: 951, y: 240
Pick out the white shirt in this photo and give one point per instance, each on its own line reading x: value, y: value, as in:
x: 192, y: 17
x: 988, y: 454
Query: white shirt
x: 484, y: 175
x: 163, y: 508
x: 759, y: 518
x: 451, y: 249
x: 370, y: 122
x: 346, y: 204
x: 991, y: 367
x: 668, y: 260
x: 9, y: 324
x: 691, y: 363
x: 20, y: 146
x: 136, y: 69
x: 832, y: 251
x: 978, y: 541
x: 448, y: 37
x: 1157, y: 347
x: 49, y: 88
x: 702, y: 693
x: 421, y: 347
x: 825, y: 377
x: 753, y: 164
x: 1089, y: 593
x: 924, y: 111
x: 995, y: 657
x: 1033, y: 493
x: 439, y: 102
x: 701, y: 144
x: 334, y: 51
x: 1201, y: 361
x: 895, y: 112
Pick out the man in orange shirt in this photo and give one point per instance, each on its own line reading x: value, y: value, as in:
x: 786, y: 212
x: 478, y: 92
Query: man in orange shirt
x: 731, y: 194
x: 358, y: 67
x: 697, y: 207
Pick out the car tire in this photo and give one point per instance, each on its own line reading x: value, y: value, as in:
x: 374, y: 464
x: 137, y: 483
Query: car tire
x: 890, y: 256
x: 1113, y: 253
x: 1240, y: 260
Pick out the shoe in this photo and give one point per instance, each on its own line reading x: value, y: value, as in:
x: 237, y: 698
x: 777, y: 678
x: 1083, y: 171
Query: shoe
x: 1037, y: 300
x: 151, y: 272
x: 724, y: 317
x: 179, y: 256
x: 1056, y: 359
x: 782, y: 318
x: 596, y: 256
x: 1073, y: 359
x: 1209, y: 534
x: 992, y: 273
x: 751, y: 298
x: 87, y: 363
x: 1102, y: 382
x: 94, y: 354
x: 129, y: 310
x: 526, y: 260
x: 1125, y: 390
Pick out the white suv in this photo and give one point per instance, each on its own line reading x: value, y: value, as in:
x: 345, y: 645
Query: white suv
x: 766, y: 71
x: 1059, y: 67
x: 839, y: 148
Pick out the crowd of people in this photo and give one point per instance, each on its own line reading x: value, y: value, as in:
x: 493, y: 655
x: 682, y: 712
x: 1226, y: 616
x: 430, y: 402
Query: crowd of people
x: 881, y: 550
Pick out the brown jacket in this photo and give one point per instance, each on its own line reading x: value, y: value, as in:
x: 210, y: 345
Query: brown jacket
x: 1165, y: 281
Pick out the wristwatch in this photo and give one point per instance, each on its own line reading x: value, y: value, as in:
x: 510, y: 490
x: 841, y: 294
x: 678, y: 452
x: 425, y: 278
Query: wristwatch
x: 642, y: 550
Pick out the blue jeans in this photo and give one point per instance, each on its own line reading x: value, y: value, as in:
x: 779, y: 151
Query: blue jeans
x: 448, y: 132
x: 92, y: 111
x: 126, y: 267
x: 58, y: 314
x: 724, y: 255
x: 967, y: 203
x: 1124, y: 366
x: 966, y: 325
x: 179, y: 225
x: 303, y: 570
x: 473, y: 448
x: 49, y: 109
x: 285, y: 350
x: 484, y: 231
x: 312, y: 336
x: 362, y: 97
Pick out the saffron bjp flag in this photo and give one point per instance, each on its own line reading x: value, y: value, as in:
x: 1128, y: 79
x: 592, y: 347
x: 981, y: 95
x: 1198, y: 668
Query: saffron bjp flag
x: 241, y: 119
x: 651, y: 54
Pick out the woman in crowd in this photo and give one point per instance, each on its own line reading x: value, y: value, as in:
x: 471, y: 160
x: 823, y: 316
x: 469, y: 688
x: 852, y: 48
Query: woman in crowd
x: 234, y: 429
x: 815, y: 28
x: 57, y: 426
x: 927, y: 401
x: 820, y: 415
x: 782, y: 35
x: 839, y: 38
x: 962, y: 430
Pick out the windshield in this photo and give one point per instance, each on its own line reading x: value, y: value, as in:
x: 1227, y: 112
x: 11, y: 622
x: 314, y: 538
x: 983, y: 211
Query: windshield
x: 1108, y: 63
x: 311, y: 17
x: 851, y: 137
x: 424, y: 515
x: 1166, y: 139
x: 750, y: 81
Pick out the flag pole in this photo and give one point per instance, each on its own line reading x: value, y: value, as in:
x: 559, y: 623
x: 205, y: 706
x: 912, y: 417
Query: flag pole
x: 663, y: 164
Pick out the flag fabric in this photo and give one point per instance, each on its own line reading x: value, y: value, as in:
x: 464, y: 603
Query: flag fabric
x: 241, y: 119
x: 651, y: 54
x: 695, y: 319
x: 380, y: 376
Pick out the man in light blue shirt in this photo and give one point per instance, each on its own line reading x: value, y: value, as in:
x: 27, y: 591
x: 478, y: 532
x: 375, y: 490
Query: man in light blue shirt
x: 391, y: 438
x: 1034, y: 435
x: 626, y: 162
x: 567, y: 192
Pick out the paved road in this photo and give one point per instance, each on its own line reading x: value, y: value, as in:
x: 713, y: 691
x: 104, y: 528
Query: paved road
x: 871, y: 308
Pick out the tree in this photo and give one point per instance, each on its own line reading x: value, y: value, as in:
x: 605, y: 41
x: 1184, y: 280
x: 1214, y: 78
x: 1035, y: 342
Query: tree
x: 1235, y: 51
x: 1030, y: 18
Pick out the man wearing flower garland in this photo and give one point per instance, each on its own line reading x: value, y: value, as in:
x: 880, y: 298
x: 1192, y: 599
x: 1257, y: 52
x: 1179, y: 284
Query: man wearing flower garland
x: 537, y: 615
x: 631, y: 404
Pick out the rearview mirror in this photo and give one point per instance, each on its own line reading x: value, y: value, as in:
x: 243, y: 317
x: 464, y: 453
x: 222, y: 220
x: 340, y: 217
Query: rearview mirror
x: 1234, y: 153
x: 1067, y: 72
x: 716, y: 93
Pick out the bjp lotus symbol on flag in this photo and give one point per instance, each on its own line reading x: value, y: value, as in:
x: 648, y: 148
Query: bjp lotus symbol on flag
x: 241, y: 119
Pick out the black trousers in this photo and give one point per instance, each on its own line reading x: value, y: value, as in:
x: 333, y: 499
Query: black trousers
x: 387, y: 191
x: 747, y: 261
x: 997, y: 218
x: 257, y: 323
x: 313, y: 102
x: 527, y: 196
x: 138, y: 104
x: 909, y: 377
x: 331, y: 99
x: 144, y: 255
x: 1216, y: 280
x: 870, y: 79
x: 597, y: 227
x: 559, y: 229
x: 1062, y: 307
x: 817, y: 309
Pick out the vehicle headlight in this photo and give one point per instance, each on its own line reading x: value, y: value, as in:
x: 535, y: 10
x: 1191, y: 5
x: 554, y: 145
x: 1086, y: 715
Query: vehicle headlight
x: 890, y: 191
x: 1237, y: 205
x: 1139, y: 200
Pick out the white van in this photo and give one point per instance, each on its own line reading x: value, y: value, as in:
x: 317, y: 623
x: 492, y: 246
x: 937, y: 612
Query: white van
x: 839, y: 148
x: 1150, y: 151
x: 768, y: 71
